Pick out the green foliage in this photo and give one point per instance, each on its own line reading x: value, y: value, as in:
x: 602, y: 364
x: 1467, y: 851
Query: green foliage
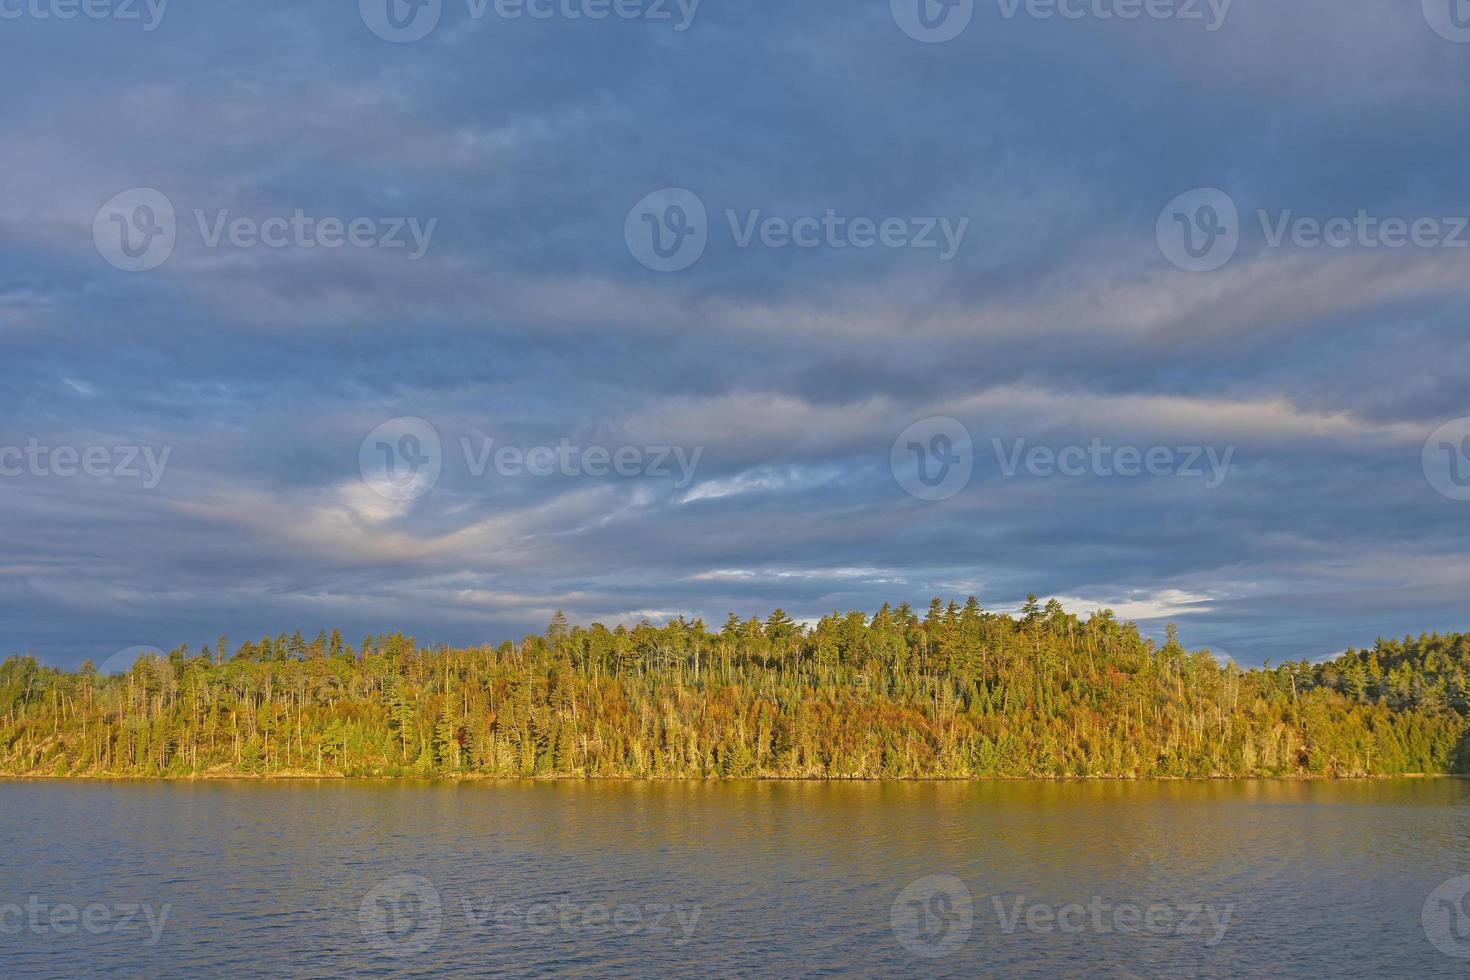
x: 958, y: 693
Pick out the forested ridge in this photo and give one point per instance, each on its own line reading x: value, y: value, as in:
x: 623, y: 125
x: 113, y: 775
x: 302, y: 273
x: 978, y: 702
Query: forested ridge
x: 956, y: 693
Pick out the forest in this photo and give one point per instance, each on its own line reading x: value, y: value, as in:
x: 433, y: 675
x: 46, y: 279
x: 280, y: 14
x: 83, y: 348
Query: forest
x: 955, y: 693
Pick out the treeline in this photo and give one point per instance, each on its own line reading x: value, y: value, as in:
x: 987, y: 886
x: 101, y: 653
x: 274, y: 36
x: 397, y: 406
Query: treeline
x: 955, y: 693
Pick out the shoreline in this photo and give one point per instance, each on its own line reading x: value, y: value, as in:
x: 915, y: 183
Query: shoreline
x: 478, y: 778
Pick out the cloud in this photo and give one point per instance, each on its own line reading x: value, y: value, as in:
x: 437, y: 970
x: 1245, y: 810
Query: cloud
x: 793, y: 370
x: 1166, y: 604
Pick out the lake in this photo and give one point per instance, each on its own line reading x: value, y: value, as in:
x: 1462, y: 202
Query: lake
x: 327, y: 878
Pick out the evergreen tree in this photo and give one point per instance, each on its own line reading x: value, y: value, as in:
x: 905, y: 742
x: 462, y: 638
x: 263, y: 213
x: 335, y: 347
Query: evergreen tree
x: 962, y: 693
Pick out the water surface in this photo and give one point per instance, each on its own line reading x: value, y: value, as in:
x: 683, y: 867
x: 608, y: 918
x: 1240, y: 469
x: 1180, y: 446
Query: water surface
x: 792, y: 879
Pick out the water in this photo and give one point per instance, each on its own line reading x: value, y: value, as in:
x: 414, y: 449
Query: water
x: 624, y: 878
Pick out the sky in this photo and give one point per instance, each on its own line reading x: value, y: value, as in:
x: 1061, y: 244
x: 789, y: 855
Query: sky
x: 439, y: 317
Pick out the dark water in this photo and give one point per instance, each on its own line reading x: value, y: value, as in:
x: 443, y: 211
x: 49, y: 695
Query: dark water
x: 783, y: 879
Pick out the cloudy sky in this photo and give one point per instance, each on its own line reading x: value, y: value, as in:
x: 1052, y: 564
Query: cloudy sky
x: 441, y: 317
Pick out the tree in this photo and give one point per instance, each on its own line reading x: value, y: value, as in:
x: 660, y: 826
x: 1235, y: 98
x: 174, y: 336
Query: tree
x: 962, y: 693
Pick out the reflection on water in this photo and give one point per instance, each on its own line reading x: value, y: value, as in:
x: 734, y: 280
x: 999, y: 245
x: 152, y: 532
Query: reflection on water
x: 599, y: 878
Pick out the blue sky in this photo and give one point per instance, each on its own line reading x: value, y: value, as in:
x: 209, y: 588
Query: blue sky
x: 874, y: 232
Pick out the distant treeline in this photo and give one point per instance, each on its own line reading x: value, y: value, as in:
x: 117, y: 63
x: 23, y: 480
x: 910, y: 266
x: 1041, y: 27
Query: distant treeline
x: 956, y: 693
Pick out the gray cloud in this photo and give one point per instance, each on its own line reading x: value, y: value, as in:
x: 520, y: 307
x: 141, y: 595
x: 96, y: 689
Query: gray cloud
x: 793, y: 370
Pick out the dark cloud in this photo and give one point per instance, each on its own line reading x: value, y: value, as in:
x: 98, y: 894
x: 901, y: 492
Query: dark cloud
x: 792, y: 371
